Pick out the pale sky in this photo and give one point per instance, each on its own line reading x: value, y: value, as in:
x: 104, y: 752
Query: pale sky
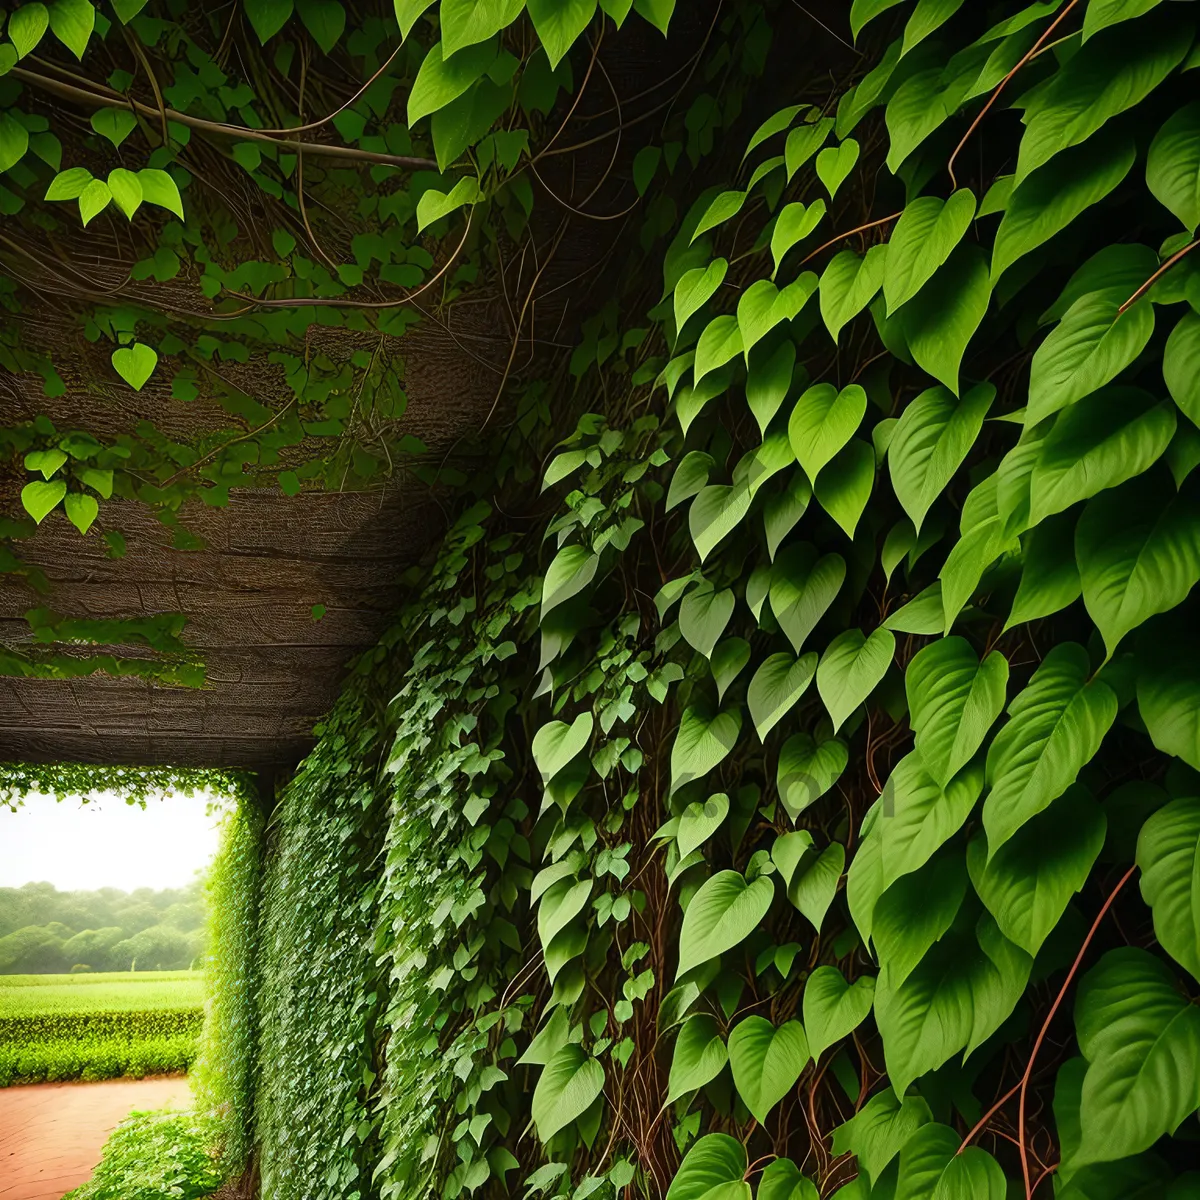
x: 106, y: 842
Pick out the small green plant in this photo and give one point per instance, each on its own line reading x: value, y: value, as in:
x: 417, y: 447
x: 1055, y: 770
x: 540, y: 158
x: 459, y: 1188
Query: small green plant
x: 155, y: 1156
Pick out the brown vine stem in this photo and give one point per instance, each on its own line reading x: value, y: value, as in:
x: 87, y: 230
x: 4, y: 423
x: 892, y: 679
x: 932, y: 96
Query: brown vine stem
x: 1157, y: 276
x: 983, y: 112
x: 98, y: 100
x: 841, y: 237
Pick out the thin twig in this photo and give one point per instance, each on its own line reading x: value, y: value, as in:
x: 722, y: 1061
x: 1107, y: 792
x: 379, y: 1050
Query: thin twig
x: 1157, y: 276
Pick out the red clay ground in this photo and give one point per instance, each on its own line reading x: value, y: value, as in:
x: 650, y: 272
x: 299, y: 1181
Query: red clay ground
x: 51, y: 1134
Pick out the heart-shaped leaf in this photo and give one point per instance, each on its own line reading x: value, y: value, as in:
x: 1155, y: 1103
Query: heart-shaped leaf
x: 845, y: 484
x: 720, y: 342
x: 727, y: 661
x: 715, y: 513
x: 690, y: 477
x: 702, y: 742
x: 703, y: 616
x: 41, y: 497
x: 782, y: 1180
x: 783, y: 510
x: 14, y: 141
x: 834, y: 163
x: 848, y: 285
x: 806, y: 770
x: 792, y: 226
x: 766, y: 1061
x: 1173, y: 165
x: 93, y: 200
x: 567, y: 1087
x: 723, y: 207
x: 925, y: 235
x: 159, y: 188
x: 833, y: 1008
x: 557, y: 743
x: 815, y: 882
x: 720, y: 916
x: 803, y: 142
x: 115, y: 124
x: 713, y: 1169
x: 699, y: 821
x: 699, y: 1057
x: 851, y: 667
x: 573, y: 568
x: 695, y: 288
x: 822, y: 422
x: 126, y: 190
x: 81, y: 509
x: 45, y: 461
x: 802, y: 589
x: 27, y: 26
x: 135, y: 364
x: 73, y: 22
x: 776, y: 687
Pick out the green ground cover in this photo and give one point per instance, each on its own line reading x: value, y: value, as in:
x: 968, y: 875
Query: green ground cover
x: 56, y: 1027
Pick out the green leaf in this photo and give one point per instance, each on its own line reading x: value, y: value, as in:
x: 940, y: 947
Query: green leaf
x: 845, y: 485
x: 927, y: 18
x: 126, y: 190
x: 1168, y: 853
x: 93, y: 200
x: 1094, y: 343
x: 938, y: 324
x: 115, y: 124
x: 715, y: 513
x: 961, y: 993
x: 720, y: 916
x: 833, y: 1008
x: 69, y: 184
x: 268, y: 17
x: 724, y: 206
x: 441, y: 81
x: 45, y: 461
x: 701, y: 743
x: 699, y: 1057
x: 100, y: 481
x: 815, y: 881
x: 1102, y: 80
x: 934, y: 435
x: 1168, y: 688
x: 983, y: 541
x: 324, y: 19
x: 135, y: 364
x: 1050, y: 578
x: 703, y: 616
x: 1125, y: 266
x: 924, y: 614
x: 783, y: 510
x: 126, y: 10
x: 953, y: 701
x: 822, y: 422
x: 433, y: 204
x: 834, y: 163
x: 699, y: 821
x: 775, y: 688
x: 657, y: 12
x: 766, y: 1061
x: 1173, y: 166
x: 573, y: 568
x: 782, y: 1180
x: 1098, y: 443
x: 159, y: 188
x: 72, y: 22
x: 802, y: 143
x: 567, y: 1087
x: 757, y: 314
x: 1051, y: 198
x: 557, y: 743
x: 467, y: 22
x: 713, y: 1169
x: 932, y: 1164
x: 806, y: 770
x: 81, y: 509
x: 1138, y: 549
x: 559, y: 24
x: 1055, y: 727
x: 1141, y: 1038
x: 802, y: 589
x: 768, y: 381
x: 880, y: 1130
x: 720, y: 341
x: 1027, y: 884
x: 1181, y: 365
x: 775, y: 123
x: 560, y: 904
x: 925, y: 235
x: 862, y: 11
x: 27, y: 26
x: 1103, y: 13
x: 41, y: 497
x: 851, y: 668
x: 848, y: 285
x: 727, y: 662
x: 695, y: 288
x: 794, y: 223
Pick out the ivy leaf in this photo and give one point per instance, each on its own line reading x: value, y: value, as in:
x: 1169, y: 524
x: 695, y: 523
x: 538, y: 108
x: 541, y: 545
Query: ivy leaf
x: 126, y: 10
x: 573, y: 568
x: 690, y: 477
x: 961, y: 993
x: 1051, y: 198
x: 802, y: 143
x: 806, y: 770
x: 466, y: 23
x: 927, y: 18
x: 822, y: 422
x: 846, y: 483
x: 768, y: 382
x: 1050, y: 578
x: 924, y: 614
x: 99, y: 480
x: 72, y: 22
x: 720, y: 342
x: 1098, y: 443
x: 931, y: 1164
x: 41, y: 497
x: 699, y: 1057
x: 69, y: 184
x: 802, y: 589
x: 567, y: 1087
x: 776, y: 123
x: 703, y: 616
x: 557, y: 743
x: 724, y: 206
x: 126, y: 190
x: 1027, y: 884
x: 1125, y: 266
x: 814, y: 883
x: 833, y: 1008
x: 45, y: 461
x: 699, y: 821
x: 81, y: 510
x: 851, y: 668
x: 701, y: 743
x: 713, y: 1169
x: 27, y: 26
x: 1103, y: 13
x: 794, y: 223
x: 1055, y: 727
x: 1173, y: 166
x: 1168, y: 853
x: 93, y: 200
x: 775, y: 688
x: 159, y: 188
x: 695, y: 288
x: 1141, y: 1039
x: 1093, y: 344
x: 135, y: 364
x: 715, y: 513
x: 1104, y: 79
x: 848, y: 285
x: 558, y: 24
x: 324, y: 19
x: 834, y: 163
x: 1168, y: 688
x: 784, y: 509
x: 435, y: 204
x: 727, y: 662
x: 925, y: 235
x: 766, y: 1061
x: 862, y: 11
x: 442, y: 80
x: 1138, y: 549
x: 879, y: 1130
x: 953, y: 701
x: 938, y: 324
x: 782, y: 1180
x: 720, y: 916
x: 1181, y: 365
x: 115, y: 124
x: 934, y: 435
x: 561, y: 903
x: 268, y: 17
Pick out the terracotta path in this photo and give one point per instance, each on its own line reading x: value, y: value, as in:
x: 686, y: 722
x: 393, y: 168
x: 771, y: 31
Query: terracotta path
x: 51, y: 1134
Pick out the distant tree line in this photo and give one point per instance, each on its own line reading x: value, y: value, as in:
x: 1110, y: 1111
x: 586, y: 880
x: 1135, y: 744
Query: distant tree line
x: 43, y: 930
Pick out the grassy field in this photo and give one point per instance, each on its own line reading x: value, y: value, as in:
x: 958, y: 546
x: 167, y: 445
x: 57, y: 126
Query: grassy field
x: 59, y: 1027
